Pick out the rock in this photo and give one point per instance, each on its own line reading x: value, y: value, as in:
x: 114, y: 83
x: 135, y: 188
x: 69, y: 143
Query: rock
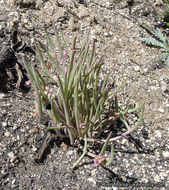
x: 93, y: 173
x: 166, y: 154
x: 137, y: 68
x: 108, y: 34
x: 167, y: 105
x: 161, y: 110
x: 145, y: 70
x: 10, y: 154
x: 158, y: 133
x: 90, y: 179
x: 4, y: 124
x: 165, y: 88
x: 156, y: 178
x: 2, y: 95
x: 34, y: 149
x: 13, y: 181
x: 7, y: 134
x: 13, y: 158
x: 69, y: 153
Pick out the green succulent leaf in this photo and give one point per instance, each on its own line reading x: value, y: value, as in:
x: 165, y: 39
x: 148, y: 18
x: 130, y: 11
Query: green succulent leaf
x: 55, y: 113
x: 110, y: 161
x: 106, y: 144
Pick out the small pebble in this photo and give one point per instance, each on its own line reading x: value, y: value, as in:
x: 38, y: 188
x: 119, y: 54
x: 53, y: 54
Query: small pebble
x: 4, y: 124
x: 110, y: 188
x: 13, y: 181
x: 13, y: 158
x: 7, y: 134
x: 90, y: 179
x: 123, y: 141
x: 161, y: 110
x: 167, y: 105
x: 10, y: 154
x: 145, y: 70
x: 164, y: 87
x: 137, y: 68
x: 34, y: 149
x: 93, y: 173
x: 53, y: 151
x: 158, y: 133
x: 156, y: 178
x: 25, y: 21
x: 70, y: 153
x: 2, y: 95
x: 108, y: 34
x: 165, y: 154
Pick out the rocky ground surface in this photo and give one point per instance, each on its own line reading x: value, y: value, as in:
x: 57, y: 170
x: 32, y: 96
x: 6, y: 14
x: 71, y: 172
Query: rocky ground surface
x: 116, y: 26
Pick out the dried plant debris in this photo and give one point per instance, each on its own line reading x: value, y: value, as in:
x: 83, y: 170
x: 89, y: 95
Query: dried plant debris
x: 32, y: 4
x: 12, y: 73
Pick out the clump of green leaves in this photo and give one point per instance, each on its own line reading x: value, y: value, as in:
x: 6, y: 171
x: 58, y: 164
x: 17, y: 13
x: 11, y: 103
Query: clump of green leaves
x: 82, y: 105
x: 158, y: 39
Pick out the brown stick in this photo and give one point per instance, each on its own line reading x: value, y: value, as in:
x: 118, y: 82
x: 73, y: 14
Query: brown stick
x: 49, y: 138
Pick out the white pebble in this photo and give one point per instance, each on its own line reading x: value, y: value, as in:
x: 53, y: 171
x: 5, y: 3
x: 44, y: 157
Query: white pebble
x: 13, y: 181
x: 13, y: 159
x: 164, y: 87
x: 156, y: 178
x: 1, y: 93
x: 25, y: 21
x: 145, y: 70
x: 34, y: 149
x: 4, y: 124
x: 167, y: 105
x: 106, y: 34
x: 166, y: 154
x: 137, y: 68
x: 10, y: 154
x: 93, y: 173
x: 158, y: 134
x: 110, y: 33
x: 90, y: 179
x: 161, y: 110
x: 7, y: 134
x: 69, y: 153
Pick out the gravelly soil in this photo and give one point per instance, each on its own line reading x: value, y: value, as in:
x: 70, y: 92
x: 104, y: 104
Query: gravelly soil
x: 140, y: 161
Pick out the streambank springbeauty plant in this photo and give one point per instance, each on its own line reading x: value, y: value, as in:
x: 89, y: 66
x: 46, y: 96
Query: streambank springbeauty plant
x: 158, y: 39
x: 79, y: 104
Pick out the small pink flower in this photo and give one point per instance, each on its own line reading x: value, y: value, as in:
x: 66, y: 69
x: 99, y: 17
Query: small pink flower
x: 28, y: 83
x: 99, y: 160
x: 64, y: 52
x: 57, y: 50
